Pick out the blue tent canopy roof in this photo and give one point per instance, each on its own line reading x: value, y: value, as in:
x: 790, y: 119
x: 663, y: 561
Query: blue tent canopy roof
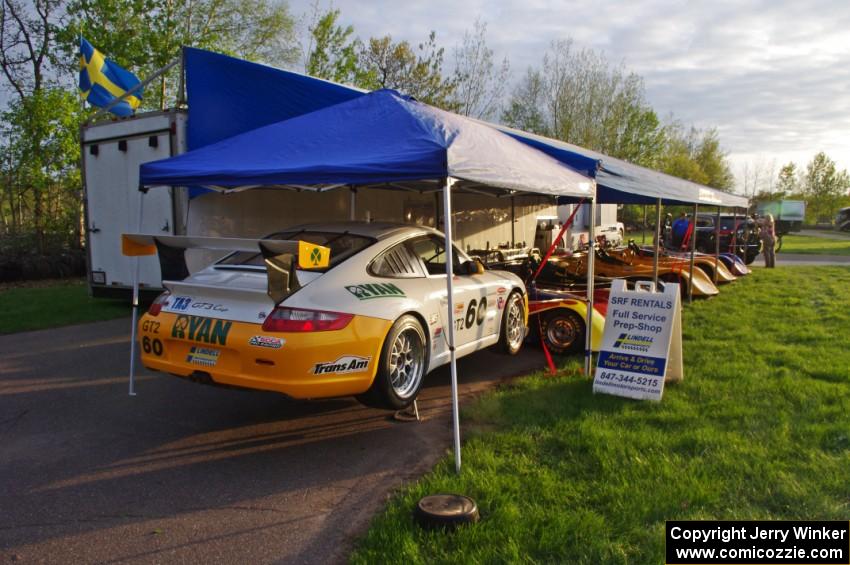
x: 381, y: 137
x: 229, y: 96
x: 243, y: 96
x: 621, y: 182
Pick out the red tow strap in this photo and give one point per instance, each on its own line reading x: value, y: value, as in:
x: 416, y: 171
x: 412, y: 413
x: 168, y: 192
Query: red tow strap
x: 552, y: 247
x: 688, y: 234
x: 564, y: 228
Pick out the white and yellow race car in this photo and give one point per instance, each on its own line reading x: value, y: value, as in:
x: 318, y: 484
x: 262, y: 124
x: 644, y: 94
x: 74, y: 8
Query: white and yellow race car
x: 326, y: 310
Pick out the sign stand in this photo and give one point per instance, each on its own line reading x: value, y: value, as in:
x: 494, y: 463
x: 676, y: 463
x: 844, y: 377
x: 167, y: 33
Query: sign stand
x: 642, y: 343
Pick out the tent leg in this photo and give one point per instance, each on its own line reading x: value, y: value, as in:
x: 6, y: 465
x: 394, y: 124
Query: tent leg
x: 693, y: 250
x: 658, y: 236
x: 513, y: 223
x: 447, y: 224
x: 591, y: 255
x: 716, y: 243
x: 735, y: 231
x: 134, y: 318
x: 643, y: 233
x: 132, y: 386
x: 352, y: 206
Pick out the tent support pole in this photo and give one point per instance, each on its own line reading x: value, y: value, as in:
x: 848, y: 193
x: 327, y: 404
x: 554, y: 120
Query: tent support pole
x: 588, y: 337
x: 135, y: 317
x: 716, y: 243
x: 693, y: 250
x: 657, y: 244
x: 352, y: 207
x: 513, y: 223
x: 643, y: 232
x: 735, y: 231
x: 447, y: 216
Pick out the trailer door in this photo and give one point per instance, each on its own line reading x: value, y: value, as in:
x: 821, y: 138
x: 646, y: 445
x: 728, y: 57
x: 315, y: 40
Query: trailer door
x: 112, y: 154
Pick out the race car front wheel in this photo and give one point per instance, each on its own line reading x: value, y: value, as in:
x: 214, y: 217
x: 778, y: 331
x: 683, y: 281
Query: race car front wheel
x: 513, y: 324
x: 401, y: 367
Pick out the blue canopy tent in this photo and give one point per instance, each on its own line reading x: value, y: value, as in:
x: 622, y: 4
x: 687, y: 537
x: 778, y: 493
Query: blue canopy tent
x: 382, y: 140
x: 621, y: 182
x: 252, y: 95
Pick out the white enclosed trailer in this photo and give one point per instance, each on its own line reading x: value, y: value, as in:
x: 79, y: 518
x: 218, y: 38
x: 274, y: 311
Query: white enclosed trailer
x: 112, y: 151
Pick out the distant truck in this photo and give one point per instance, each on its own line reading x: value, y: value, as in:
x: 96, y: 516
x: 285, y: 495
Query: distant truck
x: 788, y: 214
x: 842, y: 220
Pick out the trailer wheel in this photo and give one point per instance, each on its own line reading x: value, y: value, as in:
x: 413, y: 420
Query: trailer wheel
x: 563, y: 330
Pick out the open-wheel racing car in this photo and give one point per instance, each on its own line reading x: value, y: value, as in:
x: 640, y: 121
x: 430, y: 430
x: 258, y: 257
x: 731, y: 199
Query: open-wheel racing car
x: 325, y: 310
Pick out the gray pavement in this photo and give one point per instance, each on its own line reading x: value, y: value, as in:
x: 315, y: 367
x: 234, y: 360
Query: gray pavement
x: 190, y: 473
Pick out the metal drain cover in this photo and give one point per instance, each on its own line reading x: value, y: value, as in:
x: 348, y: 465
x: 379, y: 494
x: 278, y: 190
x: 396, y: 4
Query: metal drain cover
x: 446, y: 511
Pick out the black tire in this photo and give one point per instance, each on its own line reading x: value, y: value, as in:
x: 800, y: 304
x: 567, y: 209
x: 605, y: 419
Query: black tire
x: 510, y: 341
x: 401, y: 368
x: 563, y: 330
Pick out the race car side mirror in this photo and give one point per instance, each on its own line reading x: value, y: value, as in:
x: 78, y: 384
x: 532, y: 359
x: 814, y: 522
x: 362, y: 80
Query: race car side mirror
x: 472, y: 268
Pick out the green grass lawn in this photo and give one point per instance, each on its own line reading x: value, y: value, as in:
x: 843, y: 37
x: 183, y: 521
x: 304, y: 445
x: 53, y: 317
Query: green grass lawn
x: 759, y: 429
x: 54, y: 303
x: 809, y: 245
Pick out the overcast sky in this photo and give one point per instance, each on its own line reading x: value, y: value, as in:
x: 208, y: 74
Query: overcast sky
x: 773, y: 77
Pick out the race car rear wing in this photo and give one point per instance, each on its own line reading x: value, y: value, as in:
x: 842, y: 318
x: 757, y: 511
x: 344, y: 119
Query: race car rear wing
x: 281, y: 257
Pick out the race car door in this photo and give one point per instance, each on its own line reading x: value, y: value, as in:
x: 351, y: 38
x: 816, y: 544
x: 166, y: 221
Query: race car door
x: 474, y: 326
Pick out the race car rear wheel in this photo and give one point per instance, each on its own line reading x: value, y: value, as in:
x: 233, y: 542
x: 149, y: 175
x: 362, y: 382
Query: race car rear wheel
x: 401, y: 368
x: 513, y: 324
x: 563, y: 330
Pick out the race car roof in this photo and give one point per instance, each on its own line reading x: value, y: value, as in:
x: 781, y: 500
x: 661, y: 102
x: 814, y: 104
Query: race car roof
x: 380, y: 138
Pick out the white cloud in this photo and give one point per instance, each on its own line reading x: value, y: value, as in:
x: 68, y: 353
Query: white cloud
x: 771, y: 76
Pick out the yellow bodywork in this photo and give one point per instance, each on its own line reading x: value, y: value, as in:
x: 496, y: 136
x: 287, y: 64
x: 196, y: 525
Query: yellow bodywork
x: 597, y: 323
x: 289, y: 366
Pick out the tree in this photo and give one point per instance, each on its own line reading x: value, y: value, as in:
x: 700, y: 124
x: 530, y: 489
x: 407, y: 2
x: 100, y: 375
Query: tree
x: 43, y: 156
x: 580, y: 98
x: 384, y: 64
x: 824, y: 187
x: 40, y: 143
x: 332, y: 52
x: 713, y: 162
x: 525, y: 107
x: 480, y: 84
x: 146, y: 35
x: 695, y: 155
x: 788, y: 181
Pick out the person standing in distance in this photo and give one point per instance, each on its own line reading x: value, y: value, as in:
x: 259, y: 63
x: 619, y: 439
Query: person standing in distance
x: 680, y: 227
x: 767, y: 233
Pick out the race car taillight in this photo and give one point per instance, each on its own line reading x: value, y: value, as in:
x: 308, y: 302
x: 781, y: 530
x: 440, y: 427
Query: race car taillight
x: 157, y: 304
x: 297, y: 320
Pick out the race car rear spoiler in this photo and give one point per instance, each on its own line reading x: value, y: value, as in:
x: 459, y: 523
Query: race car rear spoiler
x: 281, y: 257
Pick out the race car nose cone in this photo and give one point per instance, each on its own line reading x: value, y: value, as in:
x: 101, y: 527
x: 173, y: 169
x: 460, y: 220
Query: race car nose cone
x: 446, y: 511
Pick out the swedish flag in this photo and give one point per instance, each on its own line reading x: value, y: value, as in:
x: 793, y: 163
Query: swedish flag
x: 102, y: 81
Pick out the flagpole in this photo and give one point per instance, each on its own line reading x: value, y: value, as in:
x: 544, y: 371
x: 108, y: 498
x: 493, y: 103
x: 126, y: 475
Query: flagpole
x: 135, y: 89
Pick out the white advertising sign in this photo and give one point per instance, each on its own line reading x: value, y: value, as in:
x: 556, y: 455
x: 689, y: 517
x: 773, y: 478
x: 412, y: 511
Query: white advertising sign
x: 642, y: 342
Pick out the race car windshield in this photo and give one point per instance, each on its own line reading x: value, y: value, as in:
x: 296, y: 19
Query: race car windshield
x: 342, y: 245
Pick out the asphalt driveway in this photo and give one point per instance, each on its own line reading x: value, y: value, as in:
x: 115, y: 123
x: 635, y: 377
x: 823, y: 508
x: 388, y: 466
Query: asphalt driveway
x: 189, y: 473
